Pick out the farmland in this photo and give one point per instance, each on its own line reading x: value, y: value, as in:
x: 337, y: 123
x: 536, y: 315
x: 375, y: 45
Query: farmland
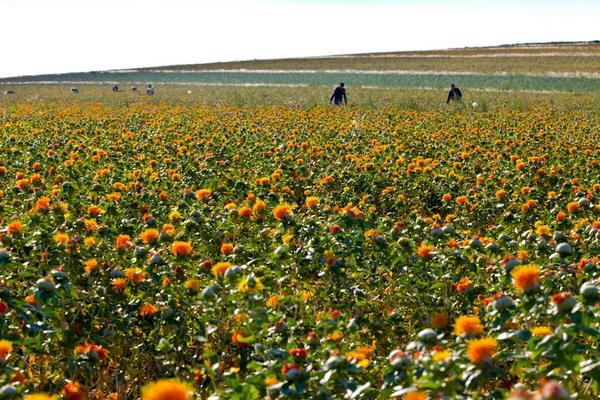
x: 556, y: 68
x: 251, y: 242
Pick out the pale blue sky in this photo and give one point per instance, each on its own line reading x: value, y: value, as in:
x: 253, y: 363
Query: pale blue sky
x: 44, y: 36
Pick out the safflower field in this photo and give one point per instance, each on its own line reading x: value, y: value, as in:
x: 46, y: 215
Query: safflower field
x: 178, y: 251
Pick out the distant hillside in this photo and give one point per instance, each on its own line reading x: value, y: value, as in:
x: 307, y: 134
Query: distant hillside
x: 545, y: 67
x: 531, y: 58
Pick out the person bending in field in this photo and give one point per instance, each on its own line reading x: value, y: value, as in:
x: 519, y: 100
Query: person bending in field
x: 338, y: 95
x: 454, y: 94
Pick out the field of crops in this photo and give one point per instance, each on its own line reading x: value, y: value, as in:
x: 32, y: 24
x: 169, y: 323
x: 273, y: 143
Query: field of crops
x: 246, y: 252
x: 356, y: 79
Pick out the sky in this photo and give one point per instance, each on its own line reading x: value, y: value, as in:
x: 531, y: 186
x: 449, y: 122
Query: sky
x: 54, y: 36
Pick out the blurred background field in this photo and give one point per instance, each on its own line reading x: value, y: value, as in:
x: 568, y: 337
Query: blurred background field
x: 403, y: 98
x: 481, y: 72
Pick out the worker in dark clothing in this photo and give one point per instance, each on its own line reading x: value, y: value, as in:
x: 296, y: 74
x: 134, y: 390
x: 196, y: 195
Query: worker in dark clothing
x: 454, y: 94
x: 338, y: 95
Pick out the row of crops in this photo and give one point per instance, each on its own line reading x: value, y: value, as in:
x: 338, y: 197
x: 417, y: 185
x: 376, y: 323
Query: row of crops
x: 498, y: 82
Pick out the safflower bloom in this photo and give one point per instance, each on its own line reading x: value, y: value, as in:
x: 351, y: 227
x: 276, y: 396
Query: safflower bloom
x: 123, y: 242
x: 282, y: 211
x: 424, y: 251
x: 150, y: 235
x: 39, y: 396
x: 461, y: 200
x: 526, y: 278
x: 192, y: 284
x: 259, y: 206
x: 119, y: 284
x: 417, y: 395
x: 5, y: 348
x: 94, y: 211
x: 148, y: 310
x: 439, y: 320
x: 245, y: 212
x: 250, y: 284
x: 135, y: 275
x: 90, y: 265
x: 226, y: 248
x: 468, y: 325
x: 219, y: 268
x: 481, y: 350
x: 573, y: 207
x: 441, y: 356
x: 167, y: 389
x: 204, y: 194
x: 14, y: 227
x: 73, y: 391
x: 61, y: 238
x: 541, y: 331
x: 42, y: 204
x: 312, y: 201
x: 181, y: 249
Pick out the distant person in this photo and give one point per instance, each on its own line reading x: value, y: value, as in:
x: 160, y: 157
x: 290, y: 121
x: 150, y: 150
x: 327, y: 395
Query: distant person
x: 74, y: 90
x: 150, y: 90
x: 115, y: 88
x: 338, y: 95
x: 134, y: 88
x: 454, y: 94
x: 9, y: 92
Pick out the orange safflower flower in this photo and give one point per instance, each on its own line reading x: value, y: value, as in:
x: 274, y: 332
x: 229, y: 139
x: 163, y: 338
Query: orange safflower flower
x: 464, y: 284
x: 94, y: 211
x: 148, y: 310
x: 468, y: 325
x: 61, y: 238
x: 573, y: 207
x: 35, y: 396
x: 541, y: 331
x: 73, y: 391
x: 181, y: 249
x: 424, y: 251
x: 135, y: 275
x: 439, y: 321
x: 167, y: 389
x: 168, y: 229
x: 561, y: 216
x: 119, y: 284
x: 90, y: 265
x: 226, y: 248
x: 245, y: 212
x: 150, y: 235
x: 219, y: 268
x: 42, y: 204
x: 461, y: 200
x: 481, y: 350
x: 14, y: 227
x: 30, y: 299
x: 259, y: 206
x: 543, y: 230
x: 5, y: 348
x: 282, y: 211
x: 90, y: 224
x: 204, y: 194
x: 526, y: 277
x: 446, y: 197
x: 312, y: 201
x: 416, y: 395
x: 123, y: 242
